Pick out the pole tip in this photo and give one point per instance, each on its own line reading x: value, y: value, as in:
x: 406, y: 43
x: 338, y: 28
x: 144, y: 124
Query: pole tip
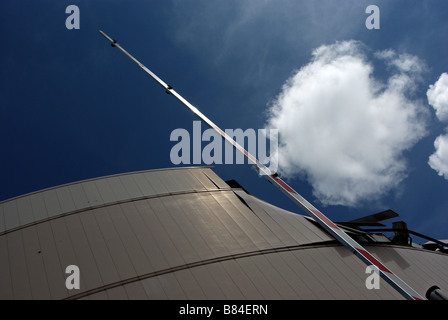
x: 105, y: 36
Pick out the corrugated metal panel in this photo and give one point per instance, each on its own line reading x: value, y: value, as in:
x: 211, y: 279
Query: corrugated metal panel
x: 269, y: 220
x: 285, y: 223
x: 205, y: 280
x: 329, y: 287
x: 210, y: 226
x: 102, y: 191
x: 421, y: 269
x: 79, y: 196
x: 53, y: 267
x: 354, y: 272
x: 172, y: 180
x: 18, y: 267
x: 304, y: 281
x: 164, y: 211
x: 326, y: 281
x: 118, y: 252
x: 25, y: 210
x: 161, y: 238
x: 156, y: 181
x: 171, y: 286
x: 63, y: 244
x: 100, y: 250
x: 231, y: 222
x: 11, y: 215
x: 90, y: 273
x: 93, y: 195
x: 274, y: 277
x: 183, y: 211
x: 307, y: 272
x: 252, y: 271
x: 52, y: 205
x: 39, y: 208
x: 413, y: 276
x: 189, y: 285
x: 241, y: 216
x: 131, y: 186
x: 177, y: 181
x: 242, y: 280
x: 128, y: 239
x: 2, y: 219
x: 37, y: 273
x: 343, y: 274
x: 328, y: 275
x: 262, y: 236
x: 118, y: 188
x: 225, y: 282
x: 143, y: 185
x: 432, y: 266
x: 117, y: 293
x: 305, y: 229
x: 203, y: 179
x: 193, y: 181
x: 153, y: 289
x: 102, y: 295
x: 135, y: 291
x: 283, y: 269
x: 149, y: 245
x: 215, y: 178
x: 65, y: 199
x: 258, y: 277
x: 106, y: 193
x: 6, y: 291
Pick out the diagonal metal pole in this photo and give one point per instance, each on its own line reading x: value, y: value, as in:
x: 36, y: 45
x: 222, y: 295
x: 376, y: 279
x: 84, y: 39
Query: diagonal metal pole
x: 318, y: 216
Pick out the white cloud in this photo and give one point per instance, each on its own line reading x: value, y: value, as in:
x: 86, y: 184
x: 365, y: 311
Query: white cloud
x: 342, y: 129
x: 438, y: 97
x: 439, y: 159
x: 402, y: 62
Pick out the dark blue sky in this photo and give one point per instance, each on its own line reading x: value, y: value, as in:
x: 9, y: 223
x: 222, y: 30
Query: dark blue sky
x: 72, y: 107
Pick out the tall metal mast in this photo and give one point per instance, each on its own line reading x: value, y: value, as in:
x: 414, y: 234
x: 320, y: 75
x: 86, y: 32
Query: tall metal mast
x: 318, y: 216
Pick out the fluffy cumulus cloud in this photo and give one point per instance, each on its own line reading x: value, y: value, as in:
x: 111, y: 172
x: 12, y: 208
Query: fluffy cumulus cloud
x: 439, y: 159
x: 344, y: 130
x: 438, y: 98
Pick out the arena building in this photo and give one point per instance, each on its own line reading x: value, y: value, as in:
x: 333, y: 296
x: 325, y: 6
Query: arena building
x: 184, y: 233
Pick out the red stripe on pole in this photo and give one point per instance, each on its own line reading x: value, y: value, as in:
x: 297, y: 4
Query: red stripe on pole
x: 250, y: 157
x: 327, y: 221
x: 222, y: 133
x: 373, y: 260
x: 284, y: 185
